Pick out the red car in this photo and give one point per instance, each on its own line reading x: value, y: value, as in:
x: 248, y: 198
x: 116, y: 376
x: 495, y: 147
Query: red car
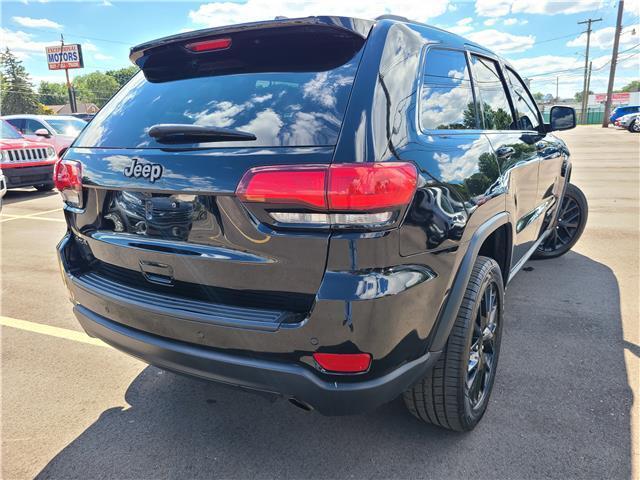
x: 23, y: 162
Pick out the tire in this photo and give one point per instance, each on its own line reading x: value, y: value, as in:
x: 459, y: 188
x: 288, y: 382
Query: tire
x: 572, y: 219
x: 44, y: 187
x: 445, y: 396
x: 634, y: 127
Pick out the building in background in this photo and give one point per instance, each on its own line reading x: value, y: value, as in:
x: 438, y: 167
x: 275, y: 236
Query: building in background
x: 65, y: 109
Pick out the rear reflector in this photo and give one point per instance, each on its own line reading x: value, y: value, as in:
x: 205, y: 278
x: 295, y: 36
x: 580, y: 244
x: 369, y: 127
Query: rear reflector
x: 67, y: 177
x: 209, y: 45
x: 343, y: 362
x: 338, y: 187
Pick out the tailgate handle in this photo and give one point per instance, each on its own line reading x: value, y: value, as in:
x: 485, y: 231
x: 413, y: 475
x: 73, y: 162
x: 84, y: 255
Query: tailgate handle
x: 155, y: 272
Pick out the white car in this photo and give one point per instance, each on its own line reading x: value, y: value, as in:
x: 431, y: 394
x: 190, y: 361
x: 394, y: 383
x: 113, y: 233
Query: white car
x: 628, y: 121
x: 59, y: 131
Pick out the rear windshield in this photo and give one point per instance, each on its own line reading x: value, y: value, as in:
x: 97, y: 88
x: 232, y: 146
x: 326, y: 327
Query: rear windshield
x: 279, y: 108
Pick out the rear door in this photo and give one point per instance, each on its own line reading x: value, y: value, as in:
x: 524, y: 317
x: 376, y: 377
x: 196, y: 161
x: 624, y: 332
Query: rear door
x: 161, y: 213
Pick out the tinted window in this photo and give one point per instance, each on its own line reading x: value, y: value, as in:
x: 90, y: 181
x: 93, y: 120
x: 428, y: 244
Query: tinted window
x: 446, y: 95
x: 496, y: 111
x: 528, y: 118
x: 17, y: 123
x: 279, y: 108
x: 8, y: 132
x: 30, y: 126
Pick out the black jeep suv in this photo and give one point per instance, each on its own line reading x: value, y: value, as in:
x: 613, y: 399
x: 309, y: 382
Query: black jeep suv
x: 326, y: 208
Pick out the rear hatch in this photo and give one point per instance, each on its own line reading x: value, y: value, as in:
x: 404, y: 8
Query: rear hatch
x: 159, y: 210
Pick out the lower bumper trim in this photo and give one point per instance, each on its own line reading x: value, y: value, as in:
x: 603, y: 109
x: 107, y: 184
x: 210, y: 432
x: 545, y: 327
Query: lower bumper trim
x: 287, y: 379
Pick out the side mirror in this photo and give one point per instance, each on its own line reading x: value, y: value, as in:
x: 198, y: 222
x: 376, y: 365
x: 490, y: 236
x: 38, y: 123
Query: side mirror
x: 561, y: 118
x: 42, y: 132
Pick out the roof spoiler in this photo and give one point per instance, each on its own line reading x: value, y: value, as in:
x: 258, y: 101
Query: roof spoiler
x: 338, y: 25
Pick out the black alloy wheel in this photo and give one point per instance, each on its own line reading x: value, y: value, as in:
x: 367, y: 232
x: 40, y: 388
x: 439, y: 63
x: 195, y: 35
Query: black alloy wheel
x: 455, y: 392
x: 572, y: 219
x: 482, y: 355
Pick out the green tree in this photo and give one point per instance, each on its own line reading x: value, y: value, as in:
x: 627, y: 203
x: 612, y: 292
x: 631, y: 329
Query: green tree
x: 538, y: 96
x: 634, y: 86
x: 52, y: 93
x: 95, y: 87
x: 16, y: 90
x: 122, y: 75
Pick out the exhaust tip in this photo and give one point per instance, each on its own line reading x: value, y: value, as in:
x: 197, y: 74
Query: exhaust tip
x: 304, y: 406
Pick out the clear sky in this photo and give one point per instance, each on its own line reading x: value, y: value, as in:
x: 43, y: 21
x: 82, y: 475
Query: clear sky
x: 539, y: 36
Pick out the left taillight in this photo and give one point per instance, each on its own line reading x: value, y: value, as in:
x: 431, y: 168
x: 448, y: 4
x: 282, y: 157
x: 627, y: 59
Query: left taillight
x: 67, y: 177
x: 337, y: 195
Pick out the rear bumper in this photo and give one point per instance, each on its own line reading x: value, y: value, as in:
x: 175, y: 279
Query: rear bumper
x: 287, y: 379
x: 235, y: 345
x: 28, y: 176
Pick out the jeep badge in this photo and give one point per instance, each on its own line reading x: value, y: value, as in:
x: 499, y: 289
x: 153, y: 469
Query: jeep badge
x: 150, y: 171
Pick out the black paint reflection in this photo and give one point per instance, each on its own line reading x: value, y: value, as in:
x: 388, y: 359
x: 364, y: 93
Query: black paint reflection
x: 163, y: 216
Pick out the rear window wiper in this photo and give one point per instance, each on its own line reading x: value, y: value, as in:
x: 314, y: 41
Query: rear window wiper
x: 185, y: 133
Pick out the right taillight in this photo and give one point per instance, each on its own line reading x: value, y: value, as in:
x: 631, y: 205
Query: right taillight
x: 370, y: 194
x: 67, y: 177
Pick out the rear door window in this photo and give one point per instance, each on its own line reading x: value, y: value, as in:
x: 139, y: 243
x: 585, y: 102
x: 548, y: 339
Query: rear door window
x: 279, y: 108
x: 496, y: 110
x: 446, y: 95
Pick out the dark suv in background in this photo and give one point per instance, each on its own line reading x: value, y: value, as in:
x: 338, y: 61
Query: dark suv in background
x: 325, y: 208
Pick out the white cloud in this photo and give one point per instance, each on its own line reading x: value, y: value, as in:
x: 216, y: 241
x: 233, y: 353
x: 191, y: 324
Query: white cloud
x: 552, y: 7
x: 106, y: 3
x: 102, y: 56
x: 20, y: 43
x: 603, y: 38
x: 226, y: 13
x: 36, y: 22
x: 493, y: 8
x: 462, y: 26
x: 502, y: 8
x: 510, y: 21
x: 553, y: 63
x: 89, y: 47
x: 503, y: 42
x: 490, y: 22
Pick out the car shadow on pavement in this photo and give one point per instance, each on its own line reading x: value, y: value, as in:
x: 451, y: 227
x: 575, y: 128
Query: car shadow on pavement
x: 15, y: 196
x: 560, y: 408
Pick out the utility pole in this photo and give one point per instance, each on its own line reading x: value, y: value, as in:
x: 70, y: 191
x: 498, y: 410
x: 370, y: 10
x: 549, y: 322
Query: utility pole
x: 585, y: 91
x: 557, y: 89
x: 586, y: 103
x: 612, y: 71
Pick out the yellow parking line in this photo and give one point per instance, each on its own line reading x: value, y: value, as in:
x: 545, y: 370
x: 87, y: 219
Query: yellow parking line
x: 51, y: 331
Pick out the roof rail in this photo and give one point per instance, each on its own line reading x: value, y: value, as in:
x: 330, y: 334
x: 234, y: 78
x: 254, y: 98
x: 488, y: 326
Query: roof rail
x: 388, y: 16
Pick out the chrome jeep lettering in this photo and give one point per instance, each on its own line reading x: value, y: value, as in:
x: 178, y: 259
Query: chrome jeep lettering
x: 150, y: 171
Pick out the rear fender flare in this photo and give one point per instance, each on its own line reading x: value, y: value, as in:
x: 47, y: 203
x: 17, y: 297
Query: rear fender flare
x: 449, y: 310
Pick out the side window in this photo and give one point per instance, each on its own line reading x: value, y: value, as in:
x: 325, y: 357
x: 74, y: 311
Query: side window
x: 528, y: 118
x: 446, y: 97
x: 31, y: 126
x: 496, y: 111
x: 17, y: 123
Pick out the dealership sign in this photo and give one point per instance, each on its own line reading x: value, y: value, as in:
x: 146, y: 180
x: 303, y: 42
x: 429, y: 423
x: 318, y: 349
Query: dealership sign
x: 622, y: 97
x: 67, y: 56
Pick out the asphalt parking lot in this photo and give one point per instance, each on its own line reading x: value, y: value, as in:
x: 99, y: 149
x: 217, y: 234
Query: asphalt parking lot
x: 562, y: 406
